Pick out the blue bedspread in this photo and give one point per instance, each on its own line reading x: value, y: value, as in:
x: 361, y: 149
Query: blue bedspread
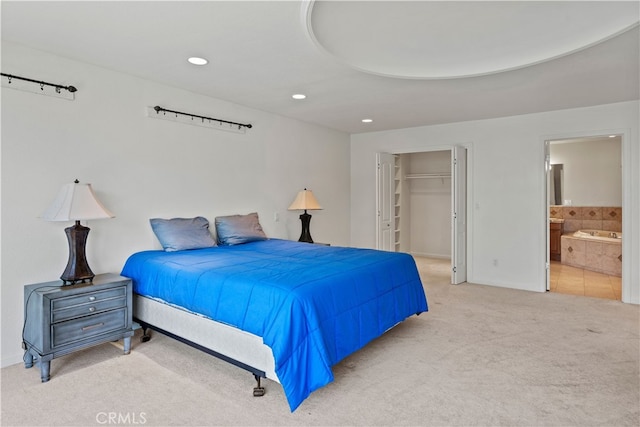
x: 313, y: 305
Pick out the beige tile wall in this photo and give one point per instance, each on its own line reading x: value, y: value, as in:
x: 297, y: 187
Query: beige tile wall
x: 607, y: 218
x: 603, y: 257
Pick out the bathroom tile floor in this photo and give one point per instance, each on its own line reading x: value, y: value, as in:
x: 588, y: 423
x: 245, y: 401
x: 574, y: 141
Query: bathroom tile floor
x: 577, y: 281
x: 564, y: 278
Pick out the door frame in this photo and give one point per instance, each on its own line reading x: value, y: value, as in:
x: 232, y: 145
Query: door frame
x: 468, y: 200
x: 625, y: 135
x: 384, y: 232
x: 547, y: 234
x: 458, y: 214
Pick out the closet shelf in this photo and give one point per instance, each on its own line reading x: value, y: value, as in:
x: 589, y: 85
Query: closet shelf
x: 427, y: 175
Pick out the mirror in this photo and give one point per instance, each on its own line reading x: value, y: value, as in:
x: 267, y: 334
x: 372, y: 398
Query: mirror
x: 555, y: 184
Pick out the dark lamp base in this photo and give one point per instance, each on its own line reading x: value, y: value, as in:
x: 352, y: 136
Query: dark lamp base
x: 305, y: 218
x: 77, y: 267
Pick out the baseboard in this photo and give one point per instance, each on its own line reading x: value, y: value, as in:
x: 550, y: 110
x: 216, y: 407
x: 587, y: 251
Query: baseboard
x: 12, y: 359
x: 430, y: 255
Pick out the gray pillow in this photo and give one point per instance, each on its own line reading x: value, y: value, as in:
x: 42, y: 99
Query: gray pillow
x: 237, y: 229
x: 179, y: 234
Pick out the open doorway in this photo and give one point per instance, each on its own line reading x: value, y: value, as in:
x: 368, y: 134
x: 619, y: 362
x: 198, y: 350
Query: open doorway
x: 584, y: 199
x: 421, y: 205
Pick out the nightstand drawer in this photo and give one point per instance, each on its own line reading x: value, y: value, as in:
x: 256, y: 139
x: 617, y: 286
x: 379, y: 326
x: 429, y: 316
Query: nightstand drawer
x: 86, y: 309
x: 86, y: 327
x: 88, y: 297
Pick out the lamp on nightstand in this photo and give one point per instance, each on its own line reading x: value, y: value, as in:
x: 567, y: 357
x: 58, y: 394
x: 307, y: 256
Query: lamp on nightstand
x: 307, y: 201
x: 76, y: 202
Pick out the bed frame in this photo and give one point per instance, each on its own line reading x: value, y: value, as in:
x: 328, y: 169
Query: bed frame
x: 228, y: 343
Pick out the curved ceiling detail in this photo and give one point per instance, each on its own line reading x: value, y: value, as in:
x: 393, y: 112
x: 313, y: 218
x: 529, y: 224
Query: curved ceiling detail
x: 443, y: 40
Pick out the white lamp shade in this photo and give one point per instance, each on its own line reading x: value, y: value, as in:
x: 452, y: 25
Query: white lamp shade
x: 305, y: 200
x: 76, y: 202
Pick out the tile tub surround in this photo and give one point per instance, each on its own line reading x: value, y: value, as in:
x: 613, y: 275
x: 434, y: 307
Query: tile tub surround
x: 600, y: 256
x: 607, y: 218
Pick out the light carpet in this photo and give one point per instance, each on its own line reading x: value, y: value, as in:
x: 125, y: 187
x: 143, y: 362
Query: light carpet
x: 482, y: 355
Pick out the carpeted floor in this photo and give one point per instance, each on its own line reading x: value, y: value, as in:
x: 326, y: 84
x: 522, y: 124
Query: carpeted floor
x: 481, y: 356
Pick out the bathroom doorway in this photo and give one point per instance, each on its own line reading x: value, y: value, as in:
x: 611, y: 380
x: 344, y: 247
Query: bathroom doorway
x: 584, y: 209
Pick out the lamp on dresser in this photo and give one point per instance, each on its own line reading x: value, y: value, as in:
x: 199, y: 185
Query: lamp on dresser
x: 305, y: 200
x: 76, y: 202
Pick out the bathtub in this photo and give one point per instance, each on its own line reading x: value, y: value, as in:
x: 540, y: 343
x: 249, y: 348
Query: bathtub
x: 606, y: 236
x: 595, y: 250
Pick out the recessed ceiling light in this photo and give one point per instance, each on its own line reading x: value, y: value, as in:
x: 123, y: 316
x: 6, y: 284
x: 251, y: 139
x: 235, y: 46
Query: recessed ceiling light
x: 195, y: 60
x: 612, y: 136
x: 367, y: 120
x: 298, y: 96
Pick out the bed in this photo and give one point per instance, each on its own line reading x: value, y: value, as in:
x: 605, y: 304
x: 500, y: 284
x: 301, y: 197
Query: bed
x: 283, y: 310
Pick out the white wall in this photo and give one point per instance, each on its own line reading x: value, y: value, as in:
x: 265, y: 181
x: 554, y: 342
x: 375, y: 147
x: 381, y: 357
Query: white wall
x: 592, y: 171
x: 142, y: 168
x: 506, y: 185
x: 430, y: 204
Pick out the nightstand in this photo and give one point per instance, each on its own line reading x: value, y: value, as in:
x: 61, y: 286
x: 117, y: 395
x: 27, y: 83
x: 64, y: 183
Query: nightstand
x: 63, y: 319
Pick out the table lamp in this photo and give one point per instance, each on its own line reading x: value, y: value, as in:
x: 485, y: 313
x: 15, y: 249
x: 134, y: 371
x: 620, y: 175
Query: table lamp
x: 76, y: 202
x: 307, y: 201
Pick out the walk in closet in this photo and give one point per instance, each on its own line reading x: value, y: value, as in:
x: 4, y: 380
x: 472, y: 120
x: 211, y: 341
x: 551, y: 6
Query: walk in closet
x: 423, y: 203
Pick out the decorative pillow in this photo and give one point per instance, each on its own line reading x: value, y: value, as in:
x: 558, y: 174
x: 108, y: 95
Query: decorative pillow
x: 179, y: 234
x: 237, y: 229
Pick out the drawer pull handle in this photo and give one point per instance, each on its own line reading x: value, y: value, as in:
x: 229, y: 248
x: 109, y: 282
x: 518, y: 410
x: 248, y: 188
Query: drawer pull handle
x: 92, y: 309
x: 92, y: 298
x: 97, y: 325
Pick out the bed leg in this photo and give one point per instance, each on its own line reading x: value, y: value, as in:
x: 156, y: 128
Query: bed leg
x: 145, y: 335
x: 258, y: 390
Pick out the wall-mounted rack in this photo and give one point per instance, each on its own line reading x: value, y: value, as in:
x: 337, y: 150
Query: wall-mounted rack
x: 197, y: 120
x: 26, y: 84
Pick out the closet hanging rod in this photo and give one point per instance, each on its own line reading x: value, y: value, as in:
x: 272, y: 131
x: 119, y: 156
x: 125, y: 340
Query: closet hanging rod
x: 41, y: 83
x: 159, y: 109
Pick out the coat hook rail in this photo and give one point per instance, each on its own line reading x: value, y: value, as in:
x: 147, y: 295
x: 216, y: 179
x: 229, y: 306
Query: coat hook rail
x: 159, y: 109
x: 71, y: 89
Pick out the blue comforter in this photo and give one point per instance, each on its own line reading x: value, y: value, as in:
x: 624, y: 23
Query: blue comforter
x: 312, y: 305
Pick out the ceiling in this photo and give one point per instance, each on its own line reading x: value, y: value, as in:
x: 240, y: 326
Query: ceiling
x: 401, y: 64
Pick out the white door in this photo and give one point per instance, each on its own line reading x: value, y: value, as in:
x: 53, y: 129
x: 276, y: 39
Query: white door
x: 385, y: 203
x: 459, y: 215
